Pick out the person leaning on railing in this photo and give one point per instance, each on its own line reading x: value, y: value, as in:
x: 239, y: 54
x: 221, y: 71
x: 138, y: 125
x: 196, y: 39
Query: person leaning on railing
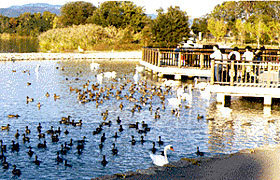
x: 217, y: 55
x: 235, y: 55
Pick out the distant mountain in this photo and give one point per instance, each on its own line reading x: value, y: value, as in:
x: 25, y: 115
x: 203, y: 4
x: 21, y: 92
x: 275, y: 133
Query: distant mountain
x: 15, y: 11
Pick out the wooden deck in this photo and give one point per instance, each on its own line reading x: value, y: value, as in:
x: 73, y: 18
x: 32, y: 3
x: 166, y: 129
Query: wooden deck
x: 227, y: 77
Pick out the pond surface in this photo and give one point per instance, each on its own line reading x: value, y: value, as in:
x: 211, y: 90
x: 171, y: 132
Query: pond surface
x: 245, y: 127
x: 19, y: 45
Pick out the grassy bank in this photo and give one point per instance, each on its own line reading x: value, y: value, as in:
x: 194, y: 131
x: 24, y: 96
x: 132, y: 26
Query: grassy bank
x: 89, y: 37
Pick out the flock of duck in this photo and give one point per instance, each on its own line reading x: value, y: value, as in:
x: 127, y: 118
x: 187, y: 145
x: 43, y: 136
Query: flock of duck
x: 131, y: 95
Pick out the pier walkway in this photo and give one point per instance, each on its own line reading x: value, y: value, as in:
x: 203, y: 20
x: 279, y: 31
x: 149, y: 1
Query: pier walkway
x: 227, y: 77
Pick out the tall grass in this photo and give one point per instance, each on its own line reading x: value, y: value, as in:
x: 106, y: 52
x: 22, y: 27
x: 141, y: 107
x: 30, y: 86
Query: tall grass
x: 89, y: 37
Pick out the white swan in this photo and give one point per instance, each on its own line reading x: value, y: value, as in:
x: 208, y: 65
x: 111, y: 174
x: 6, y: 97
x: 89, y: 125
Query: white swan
x: 161, y: 160
x: 94, y: 66
x: 175, y: 102
x: 37, y: 68
x: 136, y: 77
x: 80, y: 49
x: 139, y: 68
x: 110, y: 75
x: 100, y: 78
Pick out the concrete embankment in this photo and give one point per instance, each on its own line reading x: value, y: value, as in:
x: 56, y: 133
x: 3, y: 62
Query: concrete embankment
x: 132, y: 55
x: 259, y: 163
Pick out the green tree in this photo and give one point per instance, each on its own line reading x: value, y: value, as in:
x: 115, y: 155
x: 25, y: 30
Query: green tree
x: 200, y: 25
x: 240, y: 27
x: 75, y: 13
x: 119, y: 14
x: 217, y: 28
x: 170, y: 28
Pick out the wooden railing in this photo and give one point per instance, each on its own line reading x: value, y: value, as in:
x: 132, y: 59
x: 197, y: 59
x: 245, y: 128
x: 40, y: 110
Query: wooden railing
x: 245, y: 73
x: 194, y: 57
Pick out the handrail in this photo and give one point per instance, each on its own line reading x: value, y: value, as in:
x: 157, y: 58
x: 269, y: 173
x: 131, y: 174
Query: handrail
x: 193, y: 57
x: 245, y: 73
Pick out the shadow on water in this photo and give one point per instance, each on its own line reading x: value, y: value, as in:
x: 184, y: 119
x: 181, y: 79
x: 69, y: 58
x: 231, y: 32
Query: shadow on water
x: 19, y: 45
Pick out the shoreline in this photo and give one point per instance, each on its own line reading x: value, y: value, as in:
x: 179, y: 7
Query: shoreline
x: 258, y: 163
x: 98, y: 55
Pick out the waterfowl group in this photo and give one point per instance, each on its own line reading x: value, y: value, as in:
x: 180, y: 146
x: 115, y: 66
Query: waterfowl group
x: 129, y: 97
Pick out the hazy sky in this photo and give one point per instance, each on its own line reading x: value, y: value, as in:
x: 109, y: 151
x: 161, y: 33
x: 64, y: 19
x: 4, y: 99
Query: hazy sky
x: 194, y: 8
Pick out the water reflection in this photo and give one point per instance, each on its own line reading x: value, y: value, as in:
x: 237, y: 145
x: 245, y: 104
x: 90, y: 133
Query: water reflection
x: 218, y: 132
x: 19, y: 45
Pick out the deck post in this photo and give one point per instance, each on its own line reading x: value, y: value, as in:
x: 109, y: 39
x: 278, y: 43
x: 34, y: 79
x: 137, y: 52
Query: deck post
x: 180, y: 59
x: 221, y: 99
x: 201, y: 59
x: 267, y: 100
x: 212, y: 72
x: 232, y: 73
x: 177, y: 77
x: 158, y: 58
x: 269, y: 67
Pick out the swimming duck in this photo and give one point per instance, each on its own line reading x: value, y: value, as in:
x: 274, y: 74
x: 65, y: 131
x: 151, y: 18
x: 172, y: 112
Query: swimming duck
x: 160, y: 142
x: 58, y: 159
x: 144, y: 125
x: 142, y: 140
x: 199, y: 153
x: 39, y: 127
x: 56, y: 97
x: 15, y: 171
x: 103, y: 138
x: 28, y: 99
x: 134, y: 125
x: 15, y: 146
x: 36, y: 161
x: 154, y: 149
x: 17, y: 134
x: 25, y: 138
x: 42, y: 145
x: 104, y: 162
x: 200, y: 117
x: 121, y: 128
x: 71, y: 142
x: 116, y: 135
x: 41, y: 135
x: 114, y: 149
x: 47, y: 94
x: 39, y: 105
x: 5, y: 164
x: 66, y: 132
x: 118, y: 120
x: 161, y: 160
x: 13, y: 116
x: 66, y: 164
x: 30, y: 152
x: 5, y: 127
x: 27, y: 131
x: 50, y: 131
x: 133, y: 141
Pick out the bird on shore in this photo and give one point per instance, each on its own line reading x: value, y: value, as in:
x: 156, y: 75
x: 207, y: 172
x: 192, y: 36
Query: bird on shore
x: 161, y: 160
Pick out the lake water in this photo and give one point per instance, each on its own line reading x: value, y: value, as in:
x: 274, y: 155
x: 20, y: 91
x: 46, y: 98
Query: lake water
x: 19, y: 45
x: 246, y: 127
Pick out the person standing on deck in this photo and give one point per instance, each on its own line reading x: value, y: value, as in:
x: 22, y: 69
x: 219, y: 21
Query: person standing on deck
x: 248, y: 55
x: 235, y: 55
x: 217, y: 55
